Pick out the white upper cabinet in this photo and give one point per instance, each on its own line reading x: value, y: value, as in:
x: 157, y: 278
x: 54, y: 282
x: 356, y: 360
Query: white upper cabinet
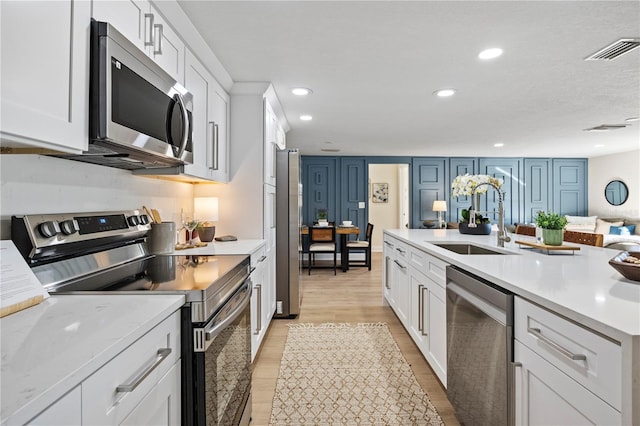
x: 45, y: 75
x: 210, y: 118
x: 143, y: 25
x: 274, y: 136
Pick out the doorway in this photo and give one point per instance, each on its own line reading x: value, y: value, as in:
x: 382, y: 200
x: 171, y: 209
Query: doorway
x: 388, y: 199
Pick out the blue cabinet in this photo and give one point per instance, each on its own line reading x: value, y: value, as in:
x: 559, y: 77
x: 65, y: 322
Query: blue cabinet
x: 570, y: 186
x: 537, y: 187
x: 429, y: 183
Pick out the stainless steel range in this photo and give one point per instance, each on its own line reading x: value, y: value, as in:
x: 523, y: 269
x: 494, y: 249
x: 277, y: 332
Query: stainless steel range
x: 107, y: 252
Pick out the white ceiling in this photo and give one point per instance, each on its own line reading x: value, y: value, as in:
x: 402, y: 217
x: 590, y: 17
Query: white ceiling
x: 373, y: 67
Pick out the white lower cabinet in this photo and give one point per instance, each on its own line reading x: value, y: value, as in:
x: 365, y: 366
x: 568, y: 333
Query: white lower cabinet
x: 260, y: 299
x: 66, y: 411
x: 565, y: 374
x: 547, y: 396
x: 414, y: 286
x: 141, y: 385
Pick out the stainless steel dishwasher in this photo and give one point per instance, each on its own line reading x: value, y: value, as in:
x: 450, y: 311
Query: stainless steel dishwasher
x: 479, y: 349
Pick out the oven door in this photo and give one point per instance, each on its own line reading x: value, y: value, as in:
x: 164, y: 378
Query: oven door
x: 222, y: 363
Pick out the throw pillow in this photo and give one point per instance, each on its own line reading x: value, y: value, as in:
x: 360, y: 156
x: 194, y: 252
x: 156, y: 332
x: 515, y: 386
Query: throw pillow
x: 581, y: 223
x: 622, y: 230
x: 602, y: 226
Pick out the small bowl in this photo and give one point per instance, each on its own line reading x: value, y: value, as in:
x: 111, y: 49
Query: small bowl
x: 347, y: 223
x: 628, y: 270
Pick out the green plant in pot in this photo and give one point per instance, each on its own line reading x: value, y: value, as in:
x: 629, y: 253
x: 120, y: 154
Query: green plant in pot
x: 552, y: 225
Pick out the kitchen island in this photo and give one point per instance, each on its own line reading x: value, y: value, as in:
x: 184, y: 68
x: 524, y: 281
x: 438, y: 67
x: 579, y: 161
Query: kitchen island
x: 580, y: 288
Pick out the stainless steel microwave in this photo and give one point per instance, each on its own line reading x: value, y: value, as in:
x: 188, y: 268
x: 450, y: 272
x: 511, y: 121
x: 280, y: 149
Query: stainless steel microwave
x: 139, y: 117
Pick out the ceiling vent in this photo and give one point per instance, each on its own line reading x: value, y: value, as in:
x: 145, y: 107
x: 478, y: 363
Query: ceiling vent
x: 614, y: 50
x: 606, y: 127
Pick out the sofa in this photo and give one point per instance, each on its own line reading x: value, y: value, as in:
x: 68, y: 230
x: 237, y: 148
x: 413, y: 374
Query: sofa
x: 619, y: 233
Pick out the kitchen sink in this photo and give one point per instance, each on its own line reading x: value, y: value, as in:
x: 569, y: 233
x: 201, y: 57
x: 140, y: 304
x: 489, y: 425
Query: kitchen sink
x: 464, y: 248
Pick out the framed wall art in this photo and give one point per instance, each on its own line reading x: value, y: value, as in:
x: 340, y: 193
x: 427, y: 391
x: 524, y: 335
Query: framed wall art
x: 380, y: 192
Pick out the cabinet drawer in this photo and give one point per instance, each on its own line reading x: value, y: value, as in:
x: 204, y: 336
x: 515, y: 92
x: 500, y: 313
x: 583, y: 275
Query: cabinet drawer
x: 102, y: 403
x: 597, y: 363
x: 258, y: 257
x: 401, y: 250
x: 432, y: 267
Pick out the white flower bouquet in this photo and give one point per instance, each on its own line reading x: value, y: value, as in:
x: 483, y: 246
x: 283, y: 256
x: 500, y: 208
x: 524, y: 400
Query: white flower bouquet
x: 463, y: 185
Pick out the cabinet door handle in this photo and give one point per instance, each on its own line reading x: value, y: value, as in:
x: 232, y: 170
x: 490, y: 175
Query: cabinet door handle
x: 400, y: 264
x: 259, y: 325
x: 214, y: 145
x: 138, y: 378
x: 420, y: 306
x: 538, y: 334
x: 158, y: 40
x: 148, y: 34
x: 386, y: 273
x: 422, y: 295
x: 262, y: 259
x: 514, y: 402
x: 400, y: 250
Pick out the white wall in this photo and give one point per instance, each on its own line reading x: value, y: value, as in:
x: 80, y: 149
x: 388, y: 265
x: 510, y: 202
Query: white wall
x: 602, y: 170
x: 384, y: 215
x: 39, y: 184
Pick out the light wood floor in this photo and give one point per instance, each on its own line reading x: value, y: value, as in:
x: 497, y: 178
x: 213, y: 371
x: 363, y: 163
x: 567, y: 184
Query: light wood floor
x: 354, y: 296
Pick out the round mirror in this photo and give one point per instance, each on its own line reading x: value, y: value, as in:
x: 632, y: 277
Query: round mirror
x: 616, y: 192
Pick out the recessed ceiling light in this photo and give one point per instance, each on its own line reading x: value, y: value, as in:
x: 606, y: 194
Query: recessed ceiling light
x: 498, y: 145
x: 301, y: 91
x: 598, y: 146
x: 630, y: 119
x: 306, y: 118
x: 490, y: 53
x: 443, y: 93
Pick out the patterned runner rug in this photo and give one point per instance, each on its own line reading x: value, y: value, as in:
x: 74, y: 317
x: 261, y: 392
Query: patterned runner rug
x: 345, y: 374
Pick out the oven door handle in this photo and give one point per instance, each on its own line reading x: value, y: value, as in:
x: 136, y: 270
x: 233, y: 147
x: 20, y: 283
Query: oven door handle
x: 240, y: 300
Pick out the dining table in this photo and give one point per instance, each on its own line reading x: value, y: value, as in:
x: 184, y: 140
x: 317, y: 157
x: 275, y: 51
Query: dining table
x: 344, y: 232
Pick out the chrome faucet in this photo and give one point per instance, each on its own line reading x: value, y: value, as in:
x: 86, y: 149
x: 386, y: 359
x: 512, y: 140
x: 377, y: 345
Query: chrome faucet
x: 502, y: 233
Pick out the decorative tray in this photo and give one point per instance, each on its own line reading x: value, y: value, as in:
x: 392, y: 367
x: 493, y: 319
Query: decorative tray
x: 622, y: 263
x: 541, y: 246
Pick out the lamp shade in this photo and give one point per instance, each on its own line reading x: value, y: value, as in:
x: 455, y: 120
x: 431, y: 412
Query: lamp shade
x: 206, y: 208
x: 439, y: 206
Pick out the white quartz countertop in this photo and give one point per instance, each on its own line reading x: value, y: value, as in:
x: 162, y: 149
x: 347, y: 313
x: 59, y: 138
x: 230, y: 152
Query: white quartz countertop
x: 582, y: 286
x: 226, y: 247
x: 50, y: 348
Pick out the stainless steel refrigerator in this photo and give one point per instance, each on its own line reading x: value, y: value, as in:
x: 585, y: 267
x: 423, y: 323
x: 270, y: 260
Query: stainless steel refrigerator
x: 288, y: 239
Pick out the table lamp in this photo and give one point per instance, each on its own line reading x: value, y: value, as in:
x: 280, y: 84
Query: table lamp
x: 440, y: 206
x: 206, y: 210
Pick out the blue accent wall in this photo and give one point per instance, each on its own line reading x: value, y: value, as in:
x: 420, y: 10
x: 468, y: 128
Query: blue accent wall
x: 338, y: 184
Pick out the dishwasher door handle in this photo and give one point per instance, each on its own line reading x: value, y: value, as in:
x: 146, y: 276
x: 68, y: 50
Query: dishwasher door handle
x: 564, y: 351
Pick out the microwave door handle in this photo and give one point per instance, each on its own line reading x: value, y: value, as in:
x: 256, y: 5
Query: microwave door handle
x: 185, y: 119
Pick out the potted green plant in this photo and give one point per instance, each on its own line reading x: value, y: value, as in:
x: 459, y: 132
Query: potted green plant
x: 552, y: 225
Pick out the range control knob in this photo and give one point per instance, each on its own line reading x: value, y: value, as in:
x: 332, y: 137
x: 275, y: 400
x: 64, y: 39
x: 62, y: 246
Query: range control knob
x: 49, y: 228
x: 143, y: 219
x: 69, y: 227
x: 132, y: 220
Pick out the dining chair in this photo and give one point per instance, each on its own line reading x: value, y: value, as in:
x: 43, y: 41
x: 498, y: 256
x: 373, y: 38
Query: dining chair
x: 586, y: 238
x: 526, y: 230
x: 361, y: 246
x: 322, y: 239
